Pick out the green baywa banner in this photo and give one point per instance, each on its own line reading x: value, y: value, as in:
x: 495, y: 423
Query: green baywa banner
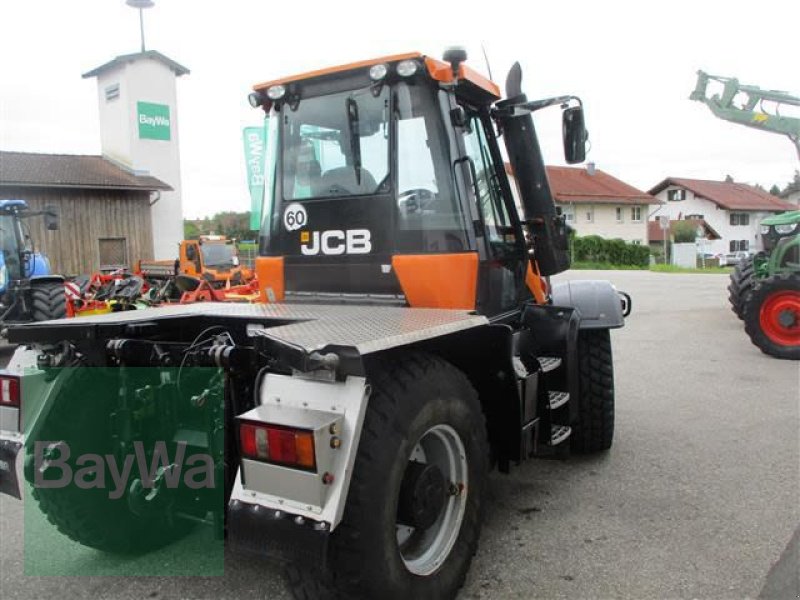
x: 255, y: 150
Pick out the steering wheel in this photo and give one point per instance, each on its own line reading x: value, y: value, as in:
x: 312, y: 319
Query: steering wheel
x: 417, y: 199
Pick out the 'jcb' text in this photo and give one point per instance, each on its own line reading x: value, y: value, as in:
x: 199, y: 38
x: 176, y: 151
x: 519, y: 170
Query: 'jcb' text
x: 335, y: 241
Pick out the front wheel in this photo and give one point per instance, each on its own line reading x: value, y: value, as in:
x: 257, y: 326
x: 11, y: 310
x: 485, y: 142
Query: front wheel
x: 594, y: 429
x: 414, y: 508
x: 48, y: 300
x: 772, y: 316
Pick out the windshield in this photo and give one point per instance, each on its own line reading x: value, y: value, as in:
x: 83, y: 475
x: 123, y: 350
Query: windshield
x: 336, y: 145
x: 218, y: 255
x: 9, y: 246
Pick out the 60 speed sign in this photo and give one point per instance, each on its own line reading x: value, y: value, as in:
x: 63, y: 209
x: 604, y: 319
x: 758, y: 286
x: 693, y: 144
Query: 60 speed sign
x: 295, y: 217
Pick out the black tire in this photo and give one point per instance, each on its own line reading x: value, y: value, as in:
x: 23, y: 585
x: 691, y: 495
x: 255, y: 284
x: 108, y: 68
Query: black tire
x: 87, y: 516
x: 594, y: 429
x: 411, y: 393
x: 48, y: 300
x: 742, y: 279
x: 778, y: 340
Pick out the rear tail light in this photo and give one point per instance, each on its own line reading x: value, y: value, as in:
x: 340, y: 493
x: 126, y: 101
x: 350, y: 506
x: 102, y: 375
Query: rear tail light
x: 9, y: 391
x: 281, y: 445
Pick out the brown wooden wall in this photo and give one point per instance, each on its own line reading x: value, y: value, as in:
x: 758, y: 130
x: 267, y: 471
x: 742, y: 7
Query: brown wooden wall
x: 87, y: 216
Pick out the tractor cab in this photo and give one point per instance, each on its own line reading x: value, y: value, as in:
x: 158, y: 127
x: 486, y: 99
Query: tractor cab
x: 388, y: 186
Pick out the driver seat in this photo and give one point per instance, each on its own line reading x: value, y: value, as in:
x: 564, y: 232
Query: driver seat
x: 341, y: 180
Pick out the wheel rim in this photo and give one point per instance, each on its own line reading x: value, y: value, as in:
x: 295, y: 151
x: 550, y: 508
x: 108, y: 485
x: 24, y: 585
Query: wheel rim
x: 780, y: 318
x: 424, y: 551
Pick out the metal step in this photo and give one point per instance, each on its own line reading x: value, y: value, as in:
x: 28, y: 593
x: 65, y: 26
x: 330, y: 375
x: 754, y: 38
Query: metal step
x: 549, y: 363
x: 557, y: 399
x: 558, y: 434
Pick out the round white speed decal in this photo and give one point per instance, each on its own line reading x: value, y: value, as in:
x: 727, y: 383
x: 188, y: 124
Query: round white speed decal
x: 295, y: 217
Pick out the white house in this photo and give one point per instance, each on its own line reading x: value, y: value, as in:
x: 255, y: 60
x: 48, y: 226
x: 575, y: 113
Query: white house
x: 595, y: 203
x: 733, y: 210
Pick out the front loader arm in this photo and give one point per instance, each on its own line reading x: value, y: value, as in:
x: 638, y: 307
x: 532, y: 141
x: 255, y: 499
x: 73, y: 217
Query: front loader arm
x: 751, y: 112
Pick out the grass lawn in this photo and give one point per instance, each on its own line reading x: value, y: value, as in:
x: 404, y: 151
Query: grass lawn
x: 655, y: 268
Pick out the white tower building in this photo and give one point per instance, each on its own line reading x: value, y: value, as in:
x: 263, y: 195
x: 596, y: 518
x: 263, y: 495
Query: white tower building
x: 137, y: 98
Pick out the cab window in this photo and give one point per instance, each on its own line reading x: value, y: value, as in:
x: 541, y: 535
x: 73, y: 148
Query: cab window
x: 499, y: 228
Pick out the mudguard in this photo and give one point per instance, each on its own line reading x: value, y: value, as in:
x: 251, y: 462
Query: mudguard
x: 598, y: 303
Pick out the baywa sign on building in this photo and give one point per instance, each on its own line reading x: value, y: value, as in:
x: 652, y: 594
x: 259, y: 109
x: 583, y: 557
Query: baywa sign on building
x: 153, y: 121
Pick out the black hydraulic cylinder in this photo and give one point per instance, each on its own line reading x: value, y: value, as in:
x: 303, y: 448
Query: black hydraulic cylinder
x: 548, y: 229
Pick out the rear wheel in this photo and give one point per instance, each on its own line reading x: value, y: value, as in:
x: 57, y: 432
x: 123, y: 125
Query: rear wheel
x: 82, y: 423
x: 414, y: 507
x: 48, y: 300
x: 772, y: 316
x: 594, y: 429
x: 741, y: 284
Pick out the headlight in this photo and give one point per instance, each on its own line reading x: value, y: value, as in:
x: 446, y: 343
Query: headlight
x: 406, y: 68
x: 378, y: 72
x: 764, y: 229
x: 785, y: 229
x: 276, y: 92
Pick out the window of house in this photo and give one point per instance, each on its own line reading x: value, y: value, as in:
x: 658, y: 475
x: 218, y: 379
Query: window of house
x: 636, y: 242
x: 740, y: 218
x: 113, y: 253
x: 636, y: 214
x: 620, y: 215
x: 589, y: 214
x: 676, y: 195
x: 694, y: 216
x: 739, y: 245
x: 569, y: 215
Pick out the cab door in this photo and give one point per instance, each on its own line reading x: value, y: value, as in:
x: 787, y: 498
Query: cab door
x: 501, y: 281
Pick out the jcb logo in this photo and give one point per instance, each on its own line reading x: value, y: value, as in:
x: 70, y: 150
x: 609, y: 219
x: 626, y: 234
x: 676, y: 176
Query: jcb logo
x: 336, y: 241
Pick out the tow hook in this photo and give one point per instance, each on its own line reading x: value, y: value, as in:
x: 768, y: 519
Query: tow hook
x: 627, y: 303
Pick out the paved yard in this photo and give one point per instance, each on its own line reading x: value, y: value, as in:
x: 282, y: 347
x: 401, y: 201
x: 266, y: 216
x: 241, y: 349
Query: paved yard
x: 698, y: 498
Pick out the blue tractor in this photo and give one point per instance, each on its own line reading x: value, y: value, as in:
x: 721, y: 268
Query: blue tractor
x: 28, y: 290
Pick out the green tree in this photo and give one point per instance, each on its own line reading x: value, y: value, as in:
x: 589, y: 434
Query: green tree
x: 775, y: 190
x: 683, y: 232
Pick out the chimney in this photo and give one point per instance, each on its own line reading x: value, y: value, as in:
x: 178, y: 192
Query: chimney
x: 590, y: 168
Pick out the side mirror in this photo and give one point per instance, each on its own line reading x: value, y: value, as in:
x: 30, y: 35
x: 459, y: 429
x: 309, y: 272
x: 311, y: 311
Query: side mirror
x: 575, y: 135
x: 51, y: 218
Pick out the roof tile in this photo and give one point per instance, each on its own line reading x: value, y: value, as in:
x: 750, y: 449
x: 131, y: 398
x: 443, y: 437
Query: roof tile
x: 70, y: 171
x: 729, y: 195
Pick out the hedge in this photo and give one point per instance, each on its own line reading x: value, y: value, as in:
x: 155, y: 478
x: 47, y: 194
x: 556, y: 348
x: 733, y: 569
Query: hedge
x: 593, y: 248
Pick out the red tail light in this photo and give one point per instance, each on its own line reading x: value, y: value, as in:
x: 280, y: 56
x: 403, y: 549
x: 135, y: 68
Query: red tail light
x: 9, y: 391
x: 281, y: 445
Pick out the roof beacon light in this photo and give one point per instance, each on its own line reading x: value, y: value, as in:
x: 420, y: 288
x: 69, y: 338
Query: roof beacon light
x: 378, y: 72
x: 276, y: 92
x: 407, y: 68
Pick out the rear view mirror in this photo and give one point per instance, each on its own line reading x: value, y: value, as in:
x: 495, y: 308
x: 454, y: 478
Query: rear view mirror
x: 51, y: 218
x: 575, y: 135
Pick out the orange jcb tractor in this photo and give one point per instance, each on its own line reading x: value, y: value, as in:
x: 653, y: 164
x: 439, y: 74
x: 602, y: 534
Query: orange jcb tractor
x: 408, y: 340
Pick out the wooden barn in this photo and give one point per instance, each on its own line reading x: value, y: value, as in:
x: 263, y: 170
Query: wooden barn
x: 104, y: 209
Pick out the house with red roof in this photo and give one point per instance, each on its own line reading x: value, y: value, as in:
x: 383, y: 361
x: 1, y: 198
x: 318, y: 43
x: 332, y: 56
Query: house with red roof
x: 734, y: 210
x: 596, y: 203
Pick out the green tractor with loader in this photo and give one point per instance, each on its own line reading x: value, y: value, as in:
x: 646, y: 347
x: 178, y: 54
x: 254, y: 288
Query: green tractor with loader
x: 764, y: 290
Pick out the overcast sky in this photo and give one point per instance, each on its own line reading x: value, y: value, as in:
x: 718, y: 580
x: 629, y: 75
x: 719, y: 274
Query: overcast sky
x: 633, y: 63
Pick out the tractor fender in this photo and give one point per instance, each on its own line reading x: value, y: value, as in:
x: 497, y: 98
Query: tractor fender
x: 47, y: 279
x: 598, y: 302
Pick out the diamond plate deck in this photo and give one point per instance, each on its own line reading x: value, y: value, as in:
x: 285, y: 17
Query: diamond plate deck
x: 366, y: 328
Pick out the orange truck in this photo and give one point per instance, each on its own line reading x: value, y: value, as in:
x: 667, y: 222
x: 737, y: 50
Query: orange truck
x: 213, y: 258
